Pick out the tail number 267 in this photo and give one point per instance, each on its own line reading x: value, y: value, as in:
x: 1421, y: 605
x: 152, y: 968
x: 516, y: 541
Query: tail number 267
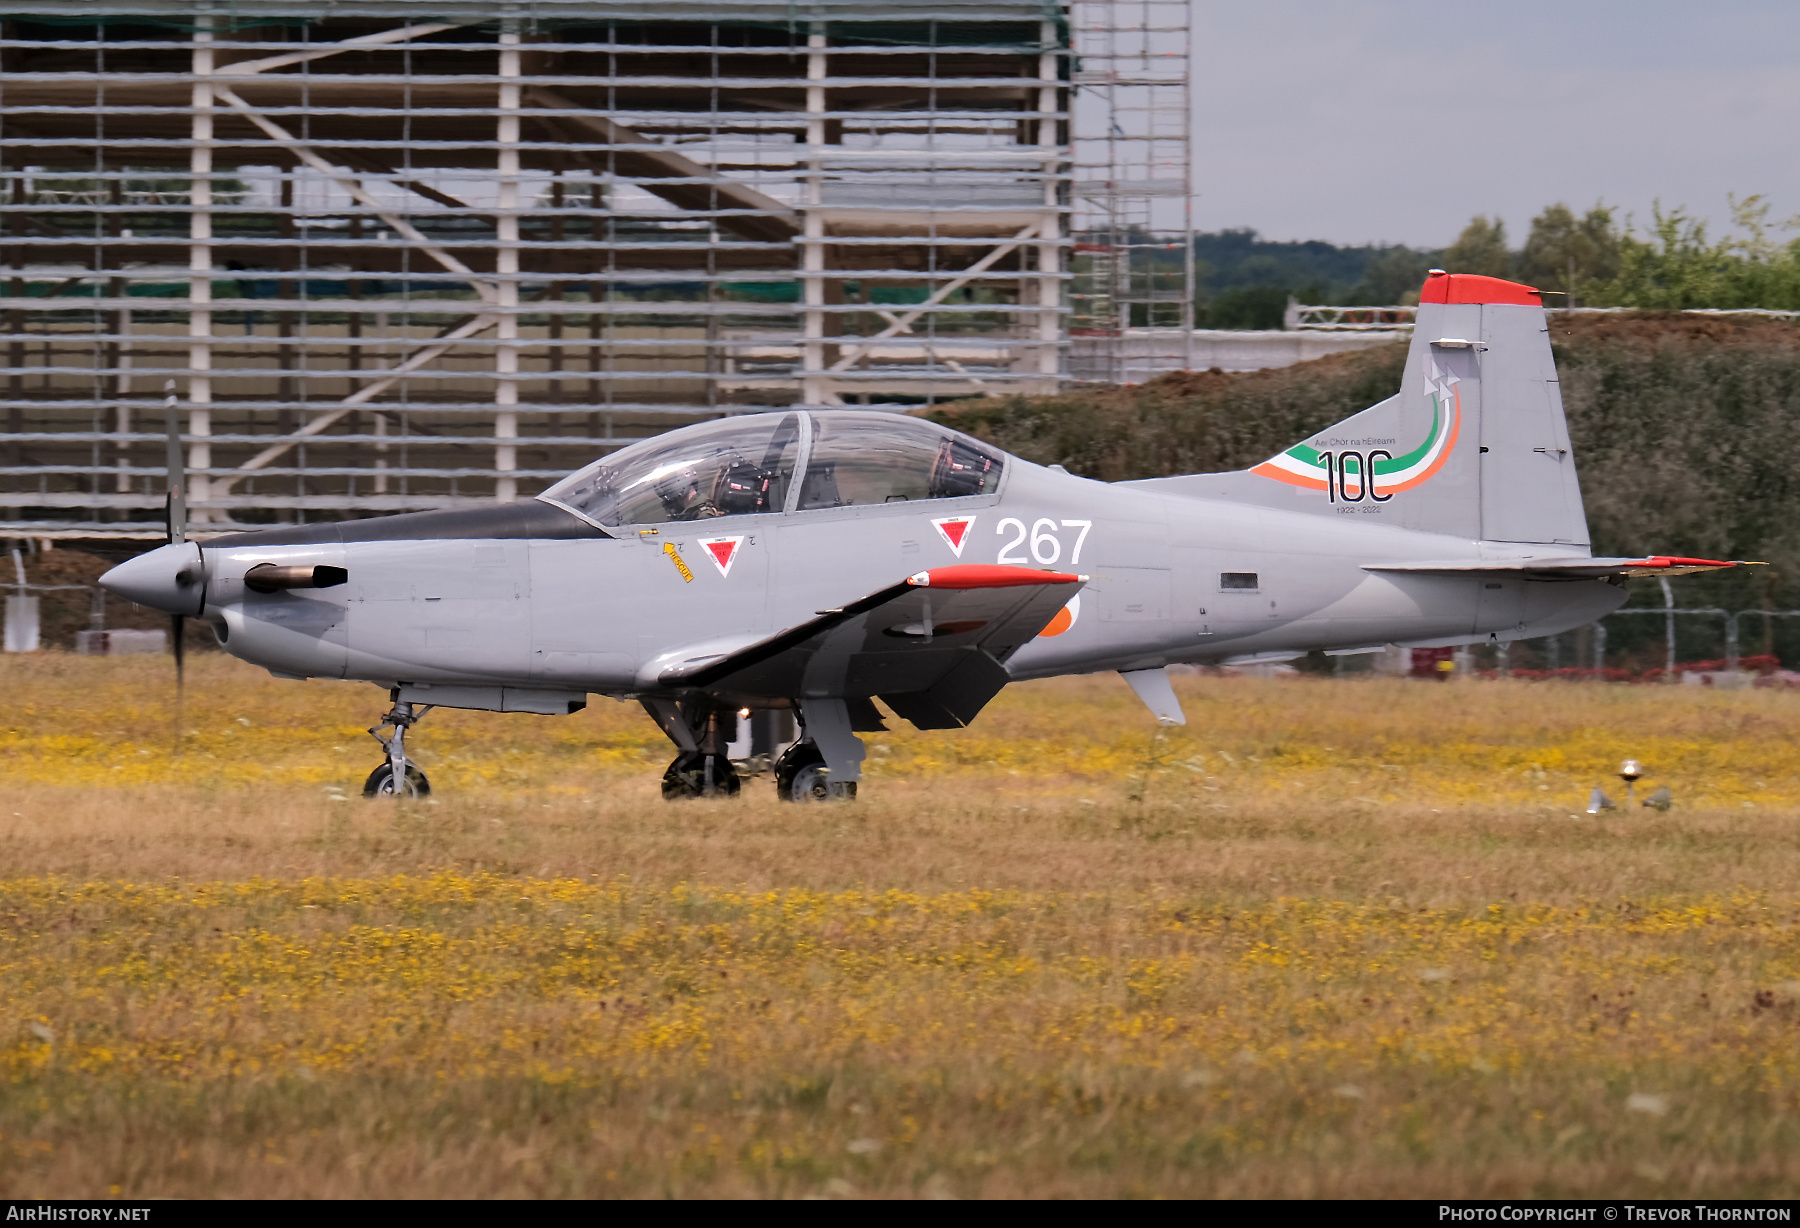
x: 1046, y: 542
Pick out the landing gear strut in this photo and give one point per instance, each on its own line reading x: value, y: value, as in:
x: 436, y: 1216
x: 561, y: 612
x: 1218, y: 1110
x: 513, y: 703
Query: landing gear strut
x: 399, y: 776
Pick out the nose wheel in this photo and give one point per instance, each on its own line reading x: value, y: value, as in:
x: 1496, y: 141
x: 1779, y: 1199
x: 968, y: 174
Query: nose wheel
x: 399, y: 776
x: 381, y: 783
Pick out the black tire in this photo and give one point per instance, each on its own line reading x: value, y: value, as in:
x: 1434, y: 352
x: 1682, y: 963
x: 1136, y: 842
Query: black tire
x: 801, y: 776
x: 686, y: 777
x: 381, y: 782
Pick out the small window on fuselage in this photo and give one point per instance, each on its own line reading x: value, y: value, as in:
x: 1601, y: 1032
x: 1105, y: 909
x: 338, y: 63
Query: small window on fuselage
x: 1237, y: 582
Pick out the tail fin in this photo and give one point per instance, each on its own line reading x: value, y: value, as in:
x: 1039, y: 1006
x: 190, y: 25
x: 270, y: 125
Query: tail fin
x: 1475, y: 444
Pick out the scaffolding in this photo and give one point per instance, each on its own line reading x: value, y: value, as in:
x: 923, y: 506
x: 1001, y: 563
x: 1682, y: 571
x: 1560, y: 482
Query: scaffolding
x: 1132, y: 301
x: 387, y: 263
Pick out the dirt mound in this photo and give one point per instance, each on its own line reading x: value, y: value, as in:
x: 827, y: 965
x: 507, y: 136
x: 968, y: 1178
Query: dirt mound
x: 1656, y: 329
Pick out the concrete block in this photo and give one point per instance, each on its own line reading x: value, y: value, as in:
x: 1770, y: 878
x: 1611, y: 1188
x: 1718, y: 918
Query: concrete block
x: 21, y: 623
x: 120, y: 643
x: 1722, y: 679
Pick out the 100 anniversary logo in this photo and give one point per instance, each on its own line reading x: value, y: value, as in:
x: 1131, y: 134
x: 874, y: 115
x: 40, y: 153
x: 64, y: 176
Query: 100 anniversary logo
x: 1350, y: 476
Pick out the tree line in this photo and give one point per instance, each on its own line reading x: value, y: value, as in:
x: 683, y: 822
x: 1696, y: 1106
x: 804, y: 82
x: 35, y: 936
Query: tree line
x: 1594, y: 258
x: 1672, y: 265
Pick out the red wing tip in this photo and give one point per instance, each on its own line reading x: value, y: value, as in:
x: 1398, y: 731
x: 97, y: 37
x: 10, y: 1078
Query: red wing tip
x: 988, y: 575
x: 1671, y: 560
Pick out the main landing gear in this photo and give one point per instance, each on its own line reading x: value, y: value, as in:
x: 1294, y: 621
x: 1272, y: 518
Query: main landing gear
x: 399, y: 776
x: 698, y: 774
x: 822, y: 766
x: 802, y: 776
x: 703, y: 768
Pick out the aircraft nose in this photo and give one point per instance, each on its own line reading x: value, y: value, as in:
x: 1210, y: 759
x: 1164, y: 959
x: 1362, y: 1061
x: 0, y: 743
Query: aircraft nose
x: 170, y: 578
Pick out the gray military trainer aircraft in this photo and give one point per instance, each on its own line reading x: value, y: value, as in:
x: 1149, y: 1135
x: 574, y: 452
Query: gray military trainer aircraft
x: 809, y: 562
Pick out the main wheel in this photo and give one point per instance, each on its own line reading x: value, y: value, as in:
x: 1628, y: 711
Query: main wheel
x: 381, y: 782
x: 686, y: 777
x: 801, y: 776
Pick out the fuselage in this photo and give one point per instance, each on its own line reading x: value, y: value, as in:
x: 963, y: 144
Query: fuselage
x: 1171, y: 578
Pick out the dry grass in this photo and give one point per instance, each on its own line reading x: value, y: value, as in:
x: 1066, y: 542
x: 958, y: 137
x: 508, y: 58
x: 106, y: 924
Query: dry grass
x: 1334, y: 938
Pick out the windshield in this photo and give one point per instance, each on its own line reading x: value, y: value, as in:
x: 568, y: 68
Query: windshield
x: 731, y: 467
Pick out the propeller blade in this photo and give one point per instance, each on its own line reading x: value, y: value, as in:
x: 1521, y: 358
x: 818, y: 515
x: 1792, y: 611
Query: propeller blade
x: 178, y: 628
x: 178, y: 625
x: 175, y: 521
x: 175, y: 506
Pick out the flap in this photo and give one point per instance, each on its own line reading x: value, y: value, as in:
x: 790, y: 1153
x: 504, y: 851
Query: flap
x: 1568, y: 568
x: 900, y: 639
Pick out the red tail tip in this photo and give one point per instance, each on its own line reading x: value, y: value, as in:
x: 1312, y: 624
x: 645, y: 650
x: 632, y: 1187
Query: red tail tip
x: 1442, y: 287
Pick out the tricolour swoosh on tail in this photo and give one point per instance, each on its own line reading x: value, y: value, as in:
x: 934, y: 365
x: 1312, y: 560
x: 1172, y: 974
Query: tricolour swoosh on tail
x: 1300, y: 464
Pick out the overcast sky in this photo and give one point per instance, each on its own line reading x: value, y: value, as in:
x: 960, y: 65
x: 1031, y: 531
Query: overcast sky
x: 1397, y: 120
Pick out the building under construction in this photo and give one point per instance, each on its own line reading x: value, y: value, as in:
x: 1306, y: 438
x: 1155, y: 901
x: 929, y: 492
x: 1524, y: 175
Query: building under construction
x: 387, y: 255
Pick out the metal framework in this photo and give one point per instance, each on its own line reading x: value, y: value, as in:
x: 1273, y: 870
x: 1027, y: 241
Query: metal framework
x: 1132, y: 302
x: 394, y: 255
x: 1300, y: 316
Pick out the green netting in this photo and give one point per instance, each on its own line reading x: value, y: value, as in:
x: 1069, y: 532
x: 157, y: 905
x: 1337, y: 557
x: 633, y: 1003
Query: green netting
x: 764, y: 291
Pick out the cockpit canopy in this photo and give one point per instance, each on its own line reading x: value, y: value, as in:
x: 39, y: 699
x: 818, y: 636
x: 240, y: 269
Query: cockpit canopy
x: 778, y: 462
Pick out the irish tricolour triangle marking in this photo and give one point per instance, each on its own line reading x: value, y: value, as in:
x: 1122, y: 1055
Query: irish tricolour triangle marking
x: 722, y: 551
x: 955, y: 531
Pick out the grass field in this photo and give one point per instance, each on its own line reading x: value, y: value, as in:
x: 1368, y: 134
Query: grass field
x: 1335, y: 937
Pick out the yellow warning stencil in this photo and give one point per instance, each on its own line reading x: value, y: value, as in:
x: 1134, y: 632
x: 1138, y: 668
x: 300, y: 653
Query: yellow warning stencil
x: 680, y: 563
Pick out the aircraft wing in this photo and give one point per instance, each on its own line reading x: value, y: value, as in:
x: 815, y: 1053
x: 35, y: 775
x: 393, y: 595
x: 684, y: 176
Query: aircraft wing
x: 1567, y: 568
x: 931, y: 646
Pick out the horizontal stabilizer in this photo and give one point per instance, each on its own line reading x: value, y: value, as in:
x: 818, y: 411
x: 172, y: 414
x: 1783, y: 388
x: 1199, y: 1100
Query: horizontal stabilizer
x: 1568, y: 568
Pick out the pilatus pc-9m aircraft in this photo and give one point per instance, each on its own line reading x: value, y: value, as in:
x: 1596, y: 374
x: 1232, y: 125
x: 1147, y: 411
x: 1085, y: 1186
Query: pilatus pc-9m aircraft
x: 816, y: 561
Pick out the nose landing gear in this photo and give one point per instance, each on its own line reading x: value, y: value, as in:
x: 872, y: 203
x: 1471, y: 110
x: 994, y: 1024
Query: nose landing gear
x: 399, y: 776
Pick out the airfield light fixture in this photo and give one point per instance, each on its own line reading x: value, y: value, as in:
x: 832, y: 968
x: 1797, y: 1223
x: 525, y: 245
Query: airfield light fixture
x: 1630, y: 771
